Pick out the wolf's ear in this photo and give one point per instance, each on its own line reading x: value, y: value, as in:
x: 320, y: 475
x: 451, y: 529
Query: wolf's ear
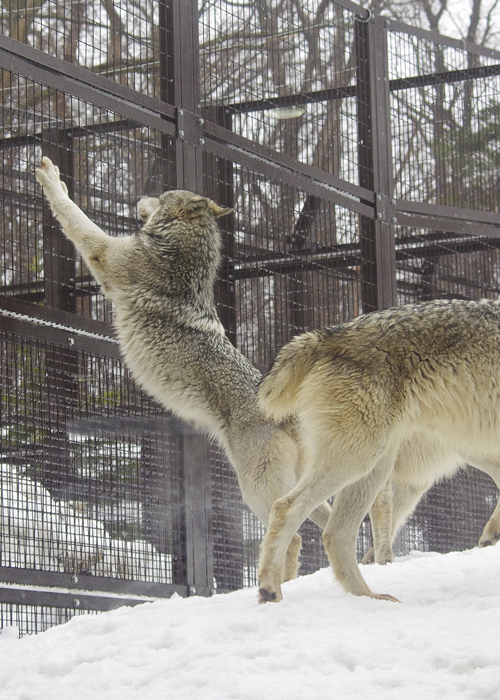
x: 147, y: 206
x: 219, y: 211
x: 193, y: 208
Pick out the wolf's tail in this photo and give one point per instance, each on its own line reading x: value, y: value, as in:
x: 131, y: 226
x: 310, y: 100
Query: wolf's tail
x: 279, y: 390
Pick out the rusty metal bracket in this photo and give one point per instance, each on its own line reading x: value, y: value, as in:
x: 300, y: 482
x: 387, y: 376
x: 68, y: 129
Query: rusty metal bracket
x: 384, y: 209
x: 190, y: 127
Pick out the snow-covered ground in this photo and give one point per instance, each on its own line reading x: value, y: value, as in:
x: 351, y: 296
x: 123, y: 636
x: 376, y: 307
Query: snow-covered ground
x: 441, y: 643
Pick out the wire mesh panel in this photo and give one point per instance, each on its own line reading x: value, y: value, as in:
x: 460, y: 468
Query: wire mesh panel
x: 452, y: 515
x: 361, y: 160
x: 118, y: 40
x: 90, y: 478
x: 32, y: 619
x: 231, y: 540
x: 445, y: 116
x: 295, y: 263
x: 107, y: 163
x: 286, y: 72
x: 440, y: 264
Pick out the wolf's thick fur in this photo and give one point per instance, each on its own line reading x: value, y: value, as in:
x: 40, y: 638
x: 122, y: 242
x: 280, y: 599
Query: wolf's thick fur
x: 161, y: 282
x: 399, y: 498
x: 405, y: 395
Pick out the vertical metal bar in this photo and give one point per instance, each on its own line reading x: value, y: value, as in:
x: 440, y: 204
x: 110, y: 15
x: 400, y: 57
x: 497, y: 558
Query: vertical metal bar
x: 58, y: 252
x: 186, y: 89
x: 219, y: 186
x: 198, y: 504
x: 166, y: 22
x: 227, y: 515
x: 377, y: 238
x: 167, y: 92
x: 181, y: 85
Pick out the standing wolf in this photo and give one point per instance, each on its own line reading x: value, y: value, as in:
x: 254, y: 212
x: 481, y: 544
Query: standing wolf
x: 403, y: 395
x: 161, y: 282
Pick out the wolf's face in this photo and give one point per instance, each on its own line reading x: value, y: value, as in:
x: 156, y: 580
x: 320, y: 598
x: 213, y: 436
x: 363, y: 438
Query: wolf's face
x: 178, y: 204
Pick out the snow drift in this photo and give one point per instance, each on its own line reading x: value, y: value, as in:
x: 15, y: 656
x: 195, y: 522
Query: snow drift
x: 441, y: 643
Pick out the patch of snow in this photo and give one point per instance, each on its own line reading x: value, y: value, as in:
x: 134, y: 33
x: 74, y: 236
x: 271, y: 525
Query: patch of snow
x: 440, y: 643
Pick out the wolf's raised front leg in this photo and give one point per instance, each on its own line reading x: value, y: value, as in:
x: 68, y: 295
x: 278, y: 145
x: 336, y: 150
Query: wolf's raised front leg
x: 88, y: 238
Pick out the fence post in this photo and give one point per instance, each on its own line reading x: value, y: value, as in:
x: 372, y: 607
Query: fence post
x: 180, y: 86
x: 61, y: 363
x: 58, y: 252
x: 377, y: 237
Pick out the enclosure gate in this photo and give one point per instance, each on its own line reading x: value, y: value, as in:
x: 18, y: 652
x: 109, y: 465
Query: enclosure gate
x: 361, y: 158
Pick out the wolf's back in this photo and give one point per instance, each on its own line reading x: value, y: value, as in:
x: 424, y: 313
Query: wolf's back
x: 278, y: 391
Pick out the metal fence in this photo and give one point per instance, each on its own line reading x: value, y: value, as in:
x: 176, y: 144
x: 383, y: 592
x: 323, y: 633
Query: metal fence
x: 361, y: 157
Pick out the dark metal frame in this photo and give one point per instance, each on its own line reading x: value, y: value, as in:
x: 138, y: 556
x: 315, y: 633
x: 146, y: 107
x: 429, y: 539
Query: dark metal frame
x: 198, y: 131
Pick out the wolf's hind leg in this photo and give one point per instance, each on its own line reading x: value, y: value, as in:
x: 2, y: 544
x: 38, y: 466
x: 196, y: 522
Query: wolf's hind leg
x: 291, y: 567
x: 491, y: 532
x: 404, y: 501
x: 381, y: 523
x: 349, y: 508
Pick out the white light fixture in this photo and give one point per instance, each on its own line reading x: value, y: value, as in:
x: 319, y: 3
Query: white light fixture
x: 286, y: 112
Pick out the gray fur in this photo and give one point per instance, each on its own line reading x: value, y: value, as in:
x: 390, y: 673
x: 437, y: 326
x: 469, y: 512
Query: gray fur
x: 161, y: 282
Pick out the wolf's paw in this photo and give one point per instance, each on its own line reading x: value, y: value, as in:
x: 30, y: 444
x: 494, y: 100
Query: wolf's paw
x: 489, y: 537
x: 49, y: 177
x: 369, y: 557
x: 268, y: 596
x: 384, y: 596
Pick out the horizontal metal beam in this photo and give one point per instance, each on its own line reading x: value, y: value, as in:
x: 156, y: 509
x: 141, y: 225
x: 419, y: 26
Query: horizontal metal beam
x: 103, y: 586
x: 450, y: 76
x: 221, y: 136
x: 449, y: 226
x: 279, y: 167
x: 342, y: 256
x: 361, y: 12
x: 350, y: 91
x: 346, y: 257
x: 75, y: 131
x: 86, y: 85
x: 447, y: 212
x: 394, y: 25
x: 58, y: 327
x: 422, y: 249
x: 33, y: 595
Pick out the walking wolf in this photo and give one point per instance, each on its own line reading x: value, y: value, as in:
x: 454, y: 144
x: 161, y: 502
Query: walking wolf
x: 404, y: 395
